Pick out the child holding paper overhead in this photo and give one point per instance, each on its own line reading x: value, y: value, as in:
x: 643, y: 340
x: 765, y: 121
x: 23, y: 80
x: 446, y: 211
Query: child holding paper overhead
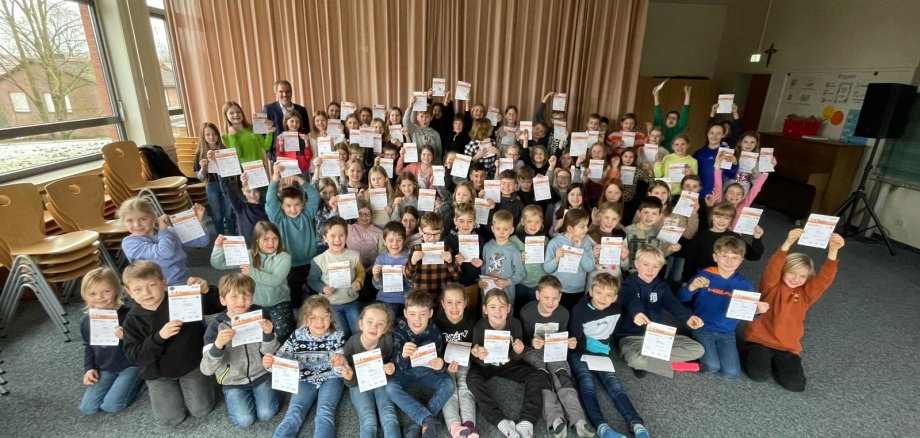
x: 249, y: 145
x: 789, y: 285
x: 456, y: 320
x: 422, y: 133
x: 269, y: 267
x: 339, y: 274
x: 571, y: 265
x: 247, y: 204
x: 112, y: 382
x: 743, y: 189
x: 675, y: 122
x: 169, y: 351
x: 317, y: 346
x: 152, y: 238
x: 238, y: 368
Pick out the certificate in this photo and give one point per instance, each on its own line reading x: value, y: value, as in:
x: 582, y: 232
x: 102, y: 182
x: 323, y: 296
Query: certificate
x: 571, y: 259
x: 260, y: 123
x: 379, y: 111
x: 628, y: 175
x: 482, y: 211
x: 379, y: 199
x: 433, y: 253
x: 285, y: 375
x: 676, y: 172
x: 334, y: 128
x: 490, y: 283
x: 556, y: 347
x: 611, y: 251
x: 228, y: 164
x: 595, y: 137
x: 461, y: 166
x: 463, y: 90
x: 289, y: 166
x: 247, y: 328
x: 578, y: 146
x: 527, y: 125
x: 330, y: 165
x: 458, y: 352
x: 369, y: 370
x: 670, y: 233
x: 346, y: 108
x: 421, y: 101
x: 468, y: 246
x: 726, y: 152
x: 748, y: 219
x: 628, y: 138
x: 497, y: 343
x: 492, y: 115
x: 291, y: 141
x: 486, y: 143
x: 560, y: 132
x: 534, y: 249
x: 324, y: 145
x: 438, y: 86
x: 424, y: 354
x: 747, y: 162
x: 184, y: 303
x: 649, y: 152
x: 410, y: 153
x: 541, y: 188
x: 235, y: 251
x: 437, y: 175
x: 559, y: 101
x: 818, y: 230
x: 595, y: 169
x: 659, y: 86
x: 765, y: 161
x: 187, y: 226
x: 598, y: 363
x: 393, y: 278
x: 426, y: 199
x: 339, y: 274
x: 377, y: 142
x: 507, y: 135
x: 102, y: 325
x: 213, y: 167
x: 743, y: 305
x: 658, y: 341
x: 396, y: 133
x: 387, y: 165
x: 493, y: 190
x: 725, y: 103
x: 684, y: 206
x: 348, y: 206
x: 504, y: 164
x: 367, y: 137
x: 255, y: 173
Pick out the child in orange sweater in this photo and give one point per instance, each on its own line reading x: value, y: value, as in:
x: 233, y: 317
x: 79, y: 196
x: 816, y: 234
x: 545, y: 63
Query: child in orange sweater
x: 790, y: 286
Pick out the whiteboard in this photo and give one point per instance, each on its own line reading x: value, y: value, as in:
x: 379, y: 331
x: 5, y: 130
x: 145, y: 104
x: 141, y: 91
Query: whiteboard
x: 834, y: 96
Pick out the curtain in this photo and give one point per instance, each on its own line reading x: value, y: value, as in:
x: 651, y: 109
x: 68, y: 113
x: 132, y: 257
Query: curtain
x: 380, y: 51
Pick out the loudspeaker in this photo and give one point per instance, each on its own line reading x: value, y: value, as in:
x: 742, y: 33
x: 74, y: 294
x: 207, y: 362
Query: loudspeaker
x: 885, y: 110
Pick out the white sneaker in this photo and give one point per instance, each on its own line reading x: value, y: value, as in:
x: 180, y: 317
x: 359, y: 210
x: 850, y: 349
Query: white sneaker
x: 524, y: 429
x: 507, y: 428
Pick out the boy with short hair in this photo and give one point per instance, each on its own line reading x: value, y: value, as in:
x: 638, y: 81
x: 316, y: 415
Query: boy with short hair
x: 395, y: 254
x: 525, y: 185
x: 410, y: 334
x: 422, y: 133
x: 509, y: 201
x: 593, y: 321
x: 292, y: 211
x: 501, y: 258
x: 344, y: 300
x: 465, y: 223
x: 713, y: 288
x: 169, y: 351
x: 539, y: 318
x: 698, y: 250
x: 645, y: 230
x: 645, y: 296
x: 430, y: 278
x: 246, y: 384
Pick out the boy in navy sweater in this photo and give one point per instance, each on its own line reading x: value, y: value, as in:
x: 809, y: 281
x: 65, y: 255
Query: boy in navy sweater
x: 713, y: 289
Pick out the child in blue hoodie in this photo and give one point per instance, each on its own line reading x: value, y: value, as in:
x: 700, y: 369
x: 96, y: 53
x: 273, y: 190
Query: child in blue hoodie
x: 713, y: 288
x: 395, y: 254
x: 565, y: 245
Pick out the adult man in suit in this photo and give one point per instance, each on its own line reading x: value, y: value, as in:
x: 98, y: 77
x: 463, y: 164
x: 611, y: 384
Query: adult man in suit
x: 283, y: 104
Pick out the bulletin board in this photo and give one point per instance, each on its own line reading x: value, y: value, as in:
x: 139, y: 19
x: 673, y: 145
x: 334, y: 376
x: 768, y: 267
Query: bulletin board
x: 835, y: 96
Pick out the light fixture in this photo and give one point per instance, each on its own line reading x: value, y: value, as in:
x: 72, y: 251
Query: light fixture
x: 755, y: 57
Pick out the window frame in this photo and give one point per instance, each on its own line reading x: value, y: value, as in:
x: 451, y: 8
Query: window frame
x: 161, y: 14
x: 25, y: 99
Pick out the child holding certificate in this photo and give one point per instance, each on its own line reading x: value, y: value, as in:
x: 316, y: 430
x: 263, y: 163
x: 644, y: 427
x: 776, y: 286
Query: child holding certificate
x: 373, y: 339
x: 378, y: 180
x: 509, y: 200
x: 741, y: 193
x: 249, y: 145
x: 698, y: 250
x: 540, y: 318
x: 236, y: 362
x: 645, y: 230
x: 592, y: 324
x: 421, y: 168
x: 789, y: 285
x: 432, y: 273
x: 485, y: 155
x: 634, y: 186
x: 416, y: 344
x: 626, y: 137
x: 678, y: 159
x: 394, y: 255
x: 570, y: 256
x: 747, y: 177
x: 317, y: 346
x: 529, y: 239
x: 456, y: 321
x: 607, y: 225
x: 497, y: 352
x: 167, y: 349
x: 713, y: 288
x: 303, y: 154
x: 645, y: 296
x: 218, y: 204
x: 407, y: 196
x: 247, y: 203
x: 501, y: 258
x: 268, y: 266
x: 112, y: 382
x: 338, y: 274
x: 706, y: 157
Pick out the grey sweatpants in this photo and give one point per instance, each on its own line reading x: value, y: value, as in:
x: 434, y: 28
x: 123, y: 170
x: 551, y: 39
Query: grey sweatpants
x: 170, y: 397
x: 563, y: 402
x: 684, y: 349
x: 461, y: 406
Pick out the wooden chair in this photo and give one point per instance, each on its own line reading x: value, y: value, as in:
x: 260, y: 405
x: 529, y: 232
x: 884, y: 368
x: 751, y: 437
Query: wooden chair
x: 124, y: 172
x: 78, y: 203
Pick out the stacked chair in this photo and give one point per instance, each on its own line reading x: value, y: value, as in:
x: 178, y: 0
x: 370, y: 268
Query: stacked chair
x: 185, y: 158
x: 37, y: 261
x: 124, y: 178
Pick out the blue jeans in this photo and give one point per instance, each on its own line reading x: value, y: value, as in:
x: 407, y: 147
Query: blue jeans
x: 245, y: 405
x: 219, y: 206
x: 721, y: 355
x: 368, y: 405
x: 614, y: 390
x: 346, y: 317
x: 112, y: 392
x: 328, y: 393
x: 440, y: 382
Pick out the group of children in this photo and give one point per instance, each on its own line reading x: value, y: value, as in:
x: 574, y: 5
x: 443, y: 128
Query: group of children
x: 489, y: 265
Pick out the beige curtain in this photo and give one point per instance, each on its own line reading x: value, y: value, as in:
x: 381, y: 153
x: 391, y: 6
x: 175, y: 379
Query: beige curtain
x: 380, y: 51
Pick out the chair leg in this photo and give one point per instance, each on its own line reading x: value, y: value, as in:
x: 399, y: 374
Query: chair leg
x: 44, y: 297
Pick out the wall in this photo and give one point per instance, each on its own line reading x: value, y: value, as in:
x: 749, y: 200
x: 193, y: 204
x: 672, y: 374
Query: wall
x: 682, y: 39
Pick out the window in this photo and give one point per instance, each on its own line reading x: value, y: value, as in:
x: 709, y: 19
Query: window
x: 167, y: 68
x: 20, y: 101
x: 49, y: 103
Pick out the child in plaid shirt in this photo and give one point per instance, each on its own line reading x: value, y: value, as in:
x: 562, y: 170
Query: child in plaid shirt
x: 430, y: 278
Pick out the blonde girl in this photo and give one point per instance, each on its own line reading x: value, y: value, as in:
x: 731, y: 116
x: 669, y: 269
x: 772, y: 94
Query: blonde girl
x: 531, y: 225
x: 249, y: 145
x: 268, y: 267
x: 354, y: 173
x: 407, y: 185
x: 377, y: 178
x: 486, y: 155
x: 218, y: 203
x: 112, y: 383
x: 607, y: 224
x: 456, y: 323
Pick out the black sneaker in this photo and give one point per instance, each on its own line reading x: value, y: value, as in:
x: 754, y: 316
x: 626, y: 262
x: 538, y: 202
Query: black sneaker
x: 638, y: 373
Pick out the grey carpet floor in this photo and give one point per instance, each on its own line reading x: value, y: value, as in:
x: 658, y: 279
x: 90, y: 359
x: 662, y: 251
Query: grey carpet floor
x: 860, y: 356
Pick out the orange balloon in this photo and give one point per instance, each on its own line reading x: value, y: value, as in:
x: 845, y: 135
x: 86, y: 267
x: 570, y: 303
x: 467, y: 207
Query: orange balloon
x: 837, y: 118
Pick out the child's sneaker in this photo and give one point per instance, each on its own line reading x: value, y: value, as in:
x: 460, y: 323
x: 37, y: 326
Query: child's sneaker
x: 432, y: 428
x: 605, y: 431
x: 640, y: 431
x: 638, y: 373
x: 583, y: 429
x: 524, y: 429
x: 506, y: 427
x: 413, y: 431
x: 559, y: 428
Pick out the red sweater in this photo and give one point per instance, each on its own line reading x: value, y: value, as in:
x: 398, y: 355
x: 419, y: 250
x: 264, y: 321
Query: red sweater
x: 782, y: 327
